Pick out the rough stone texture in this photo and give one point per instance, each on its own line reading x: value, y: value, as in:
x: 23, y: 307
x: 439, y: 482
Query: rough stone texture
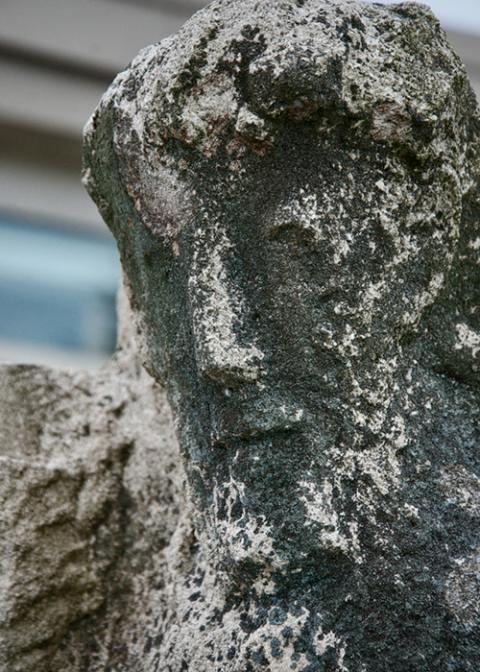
x: 91, y: 495
x: 294, y: 188
x: 294, y: 191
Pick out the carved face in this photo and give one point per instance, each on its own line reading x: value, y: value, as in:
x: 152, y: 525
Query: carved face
x: 280, y: 297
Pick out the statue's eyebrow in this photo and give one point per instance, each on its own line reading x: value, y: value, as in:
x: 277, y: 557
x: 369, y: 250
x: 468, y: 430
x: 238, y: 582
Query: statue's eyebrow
x: 299, y: 215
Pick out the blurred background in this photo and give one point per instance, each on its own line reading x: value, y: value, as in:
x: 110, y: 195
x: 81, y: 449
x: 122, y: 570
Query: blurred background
x: 58, y: 263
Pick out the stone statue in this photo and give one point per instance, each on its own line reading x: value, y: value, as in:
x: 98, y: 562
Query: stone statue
x: 294, y: 188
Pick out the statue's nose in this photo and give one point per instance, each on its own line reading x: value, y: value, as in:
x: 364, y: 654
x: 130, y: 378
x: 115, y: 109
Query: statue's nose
x: 228, y: 365
x: 224, y: 352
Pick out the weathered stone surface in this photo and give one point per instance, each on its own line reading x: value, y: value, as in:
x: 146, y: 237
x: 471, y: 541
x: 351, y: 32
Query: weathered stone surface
x: 294, y: 188
x: 91, y: 491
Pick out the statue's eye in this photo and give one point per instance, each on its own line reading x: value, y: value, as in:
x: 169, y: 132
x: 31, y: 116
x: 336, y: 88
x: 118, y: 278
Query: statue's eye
x: 294, y: 232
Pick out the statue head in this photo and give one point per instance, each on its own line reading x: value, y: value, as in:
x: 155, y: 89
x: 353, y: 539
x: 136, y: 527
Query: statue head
x: 289, y: 199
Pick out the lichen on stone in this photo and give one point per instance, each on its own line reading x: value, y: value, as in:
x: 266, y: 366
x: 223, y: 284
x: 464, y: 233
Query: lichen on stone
x: 294, y: 189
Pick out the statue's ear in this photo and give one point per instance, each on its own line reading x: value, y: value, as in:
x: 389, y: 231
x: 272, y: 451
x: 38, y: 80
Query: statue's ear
x: 453, y: 343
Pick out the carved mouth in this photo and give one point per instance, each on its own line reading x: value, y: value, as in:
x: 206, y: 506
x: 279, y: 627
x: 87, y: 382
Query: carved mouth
x: 257, y: 425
